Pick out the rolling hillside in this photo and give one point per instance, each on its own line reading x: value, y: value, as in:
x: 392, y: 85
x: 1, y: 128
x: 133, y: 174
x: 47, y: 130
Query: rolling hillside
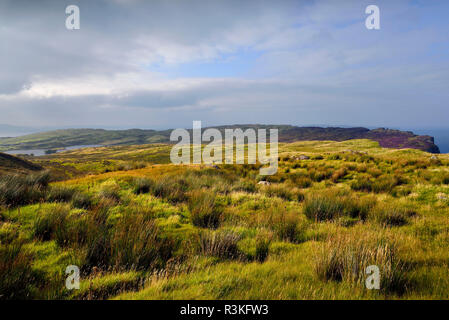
x: 11, y: 164
x: 71, y: 137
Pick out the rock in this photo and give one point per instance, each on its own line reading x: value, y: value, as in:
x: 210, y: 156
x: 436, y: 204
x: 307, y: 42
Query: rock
x: 433, y: 157
x: 264, y: 183
x: 303, y: 157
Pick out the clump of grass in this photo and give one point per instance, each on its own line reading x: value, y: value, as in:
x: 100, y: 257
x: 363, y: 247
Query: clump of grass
x: 133, y: 243
x: 82, y: 200
x: 142, y: 185
x: 287, y: 227
x: 338, y: 174
x: 205, y: 211
x: 284, y: 192
x: 8, y: 233
x: 331, y: 205
x: 322, y: 207
x: 286, y: 224
x: 392, y: 215
x: 50, y: 222
x: 384, y: 183
x: 17, y: 190
x: 109, y: 190
x: 138, y: 244
x: 262, y: 248
x: 345, y: 258
x: 171, y: 189
x: 220, y: 244
x: 246, y: 186
x: 60, y: 193
x: 17, y: 277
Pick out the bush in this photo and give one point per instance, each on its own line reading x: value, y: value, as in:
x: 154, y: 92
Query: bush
x: 220, y: 244
x: 60, y: 193
x: 142, y: 185
x: 204, y: 209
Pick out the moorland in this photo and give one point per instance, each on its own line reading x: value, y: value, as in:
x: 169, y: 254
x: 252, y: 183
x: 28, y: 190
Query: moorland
x: 139, y: 227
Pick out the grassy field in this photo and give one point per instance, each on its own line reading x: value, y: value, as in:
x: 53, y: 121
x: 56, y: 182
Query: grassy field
x: 141, y: 228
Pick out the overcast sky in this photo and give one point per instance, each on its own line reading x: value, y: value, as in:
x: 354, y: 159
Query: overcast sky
x: 162, y: 64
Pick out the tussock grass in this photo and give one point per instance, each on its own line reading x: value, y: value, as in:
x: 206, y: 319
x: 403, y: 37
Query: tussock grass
x: 204, y: 209
x: 81, y: 200
x: 284, y: 192
x: 17, y: 276
x: 17, y: 190
x: 60, y: 193
x: 392, y: 215
x: 142, y: 185
x: 221, y: 244
x: 331, y: 205
x: 109, y: 190
x: 345, y: 258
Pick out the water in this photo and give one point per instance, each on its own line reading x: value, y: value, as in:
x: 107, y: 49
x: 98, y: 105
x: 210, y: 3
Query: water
x: 41, y: 152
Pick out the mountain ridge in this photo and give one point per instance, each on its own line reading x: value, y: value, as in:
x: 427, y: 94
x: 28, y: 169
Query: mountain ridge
x: 388, y: 138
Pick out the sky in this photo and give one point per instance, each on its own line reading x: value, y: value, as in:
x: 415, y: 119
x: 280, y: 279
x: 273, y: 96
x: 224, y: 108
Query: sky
x: 162, y: 64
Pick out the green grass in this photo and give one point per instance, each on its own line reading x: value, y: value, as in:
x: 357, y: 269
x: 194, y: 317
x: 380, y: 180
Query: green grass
x: 152, y: 230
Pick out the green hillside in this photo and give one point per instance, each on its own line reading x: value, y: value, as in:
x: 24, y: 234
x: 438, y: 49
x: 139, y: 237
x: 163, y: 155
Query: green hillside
x: 72, y: 137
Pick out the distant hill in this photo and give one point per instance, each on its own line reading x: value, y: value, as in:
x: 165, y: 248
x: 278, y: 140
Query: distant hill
x: 11, y: 164
x: 387, y: 138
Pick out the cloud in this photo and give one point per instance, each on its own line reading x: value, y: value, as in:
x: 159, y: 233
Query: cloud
x: 136, y: 63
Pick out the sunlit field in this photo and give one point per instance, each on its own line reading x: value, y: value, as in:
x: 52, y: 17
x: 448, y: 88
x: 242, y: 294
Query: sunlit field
x: 139, y: 227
